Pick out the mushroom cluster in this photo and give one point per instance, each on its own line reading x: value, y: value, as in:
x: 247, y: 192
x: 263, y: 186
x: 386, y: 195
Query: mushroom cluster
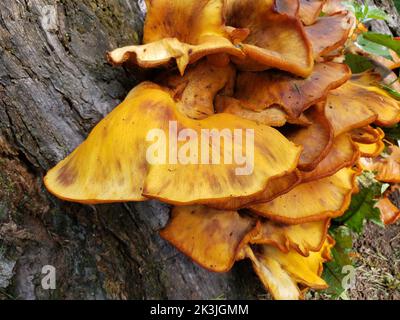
x: 274, y: 67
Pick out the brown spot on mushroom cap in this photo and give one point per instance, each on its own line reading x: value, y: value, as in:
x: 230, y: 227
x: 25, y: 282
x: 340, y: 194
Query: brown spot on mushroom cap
x: 67, y: 174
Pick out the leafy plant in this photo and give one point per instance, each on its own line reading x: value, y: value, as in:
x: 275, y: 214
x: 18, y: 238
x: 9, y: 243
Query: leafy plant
x: 373, y: 47
x: 358, y: 63
x: 364, y: 12
x: 334, y: 273
x: 384, y: 40
x: 397, y: 4
x: 392, y: 133
x: 362, y: 207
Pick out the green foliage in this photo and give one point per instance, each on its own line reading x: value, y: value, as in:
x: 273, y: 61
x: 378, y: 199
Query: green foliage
x: 358, y: 63
x: 334, y: 273
x: 384, y: 40
x: 392, y: 133
x: 373, y: 47
x: 364, y: 12
x: 362, y: 207
x: 397, y: 4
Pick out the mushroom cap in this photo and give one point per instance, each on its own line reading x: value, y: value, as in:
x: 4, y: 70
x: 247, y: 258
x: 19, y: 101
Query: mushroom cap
x: 293, y: 94
x: 303, y: 238
x: 329, y: 33
x: 210, y: 237
x: 387, y: 167
x: 312, y: 201
x: 270, y: 32
x: 195, y: 91
x: 283, y: 273
x: 344, y: 153
x: 113, y: 164
x: 358, y: 103
x: 389, y: 205
x: 184, y: 31
x: 316, y: 139
x: 309, y: 10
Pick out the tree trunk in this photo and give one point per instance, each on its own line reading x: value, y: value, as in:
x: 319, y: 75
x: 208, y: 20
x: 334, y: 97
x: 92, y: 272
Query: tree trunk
x: 55, y: 85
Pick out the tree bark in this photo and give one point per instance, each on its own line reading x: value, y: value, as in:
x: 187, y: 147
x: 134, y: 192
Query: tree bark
x: 55, y: 85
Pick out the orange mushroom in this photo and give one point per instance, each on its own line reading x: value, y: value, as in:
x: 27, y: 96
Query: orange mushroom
x: 202, y: 138
x: 344, y: 153
x: 329, y: 33
x: 210, y: 237
x: 316, y: 139
x: 367, y: 135
x: 270, y: 32
x: 333, y: 6
x: 273, y: 116
x: 357, y: 104
x: 387, y: 166
x: 283, y: 274
x: 312, y: 201
x: 389, y: 205
x: 184, y: 31
x: 310, y: 10
x: 145, y: 148
x: 196, y: 90
x: 294, y: 95
x: 303, y: 238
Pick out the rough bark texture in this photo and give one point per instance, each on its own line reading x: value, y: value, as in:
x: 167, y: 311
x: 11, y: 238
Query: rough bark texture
x: 54, y: 87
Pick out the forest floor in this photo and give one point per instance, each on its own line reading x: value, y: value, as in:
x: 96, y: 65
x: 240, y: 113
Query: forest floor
x: 378, y: 264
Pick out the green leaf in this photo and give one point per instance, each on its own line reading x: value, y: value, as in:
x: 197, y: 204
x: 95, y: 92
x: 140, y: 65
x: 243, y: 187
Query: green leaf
x: 376, y: 14
x: 373, y: 47
x: 333, y: 271
x: 362, y: 207
x: 392, y: 133
x: 364, y: 12
x: 384, y: 40
x: 357, y: 63
x: 397, y: 4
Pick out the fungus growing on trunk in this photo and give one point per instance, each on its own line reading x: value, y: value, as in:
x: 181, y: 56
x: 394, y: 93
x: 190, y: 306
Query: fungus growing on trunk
x: 200, y: 136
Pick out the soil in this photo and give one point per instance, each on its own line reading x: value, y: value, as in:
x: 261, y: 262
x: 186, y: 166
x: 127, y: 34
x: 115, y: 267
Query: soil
x: 378, y: 264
